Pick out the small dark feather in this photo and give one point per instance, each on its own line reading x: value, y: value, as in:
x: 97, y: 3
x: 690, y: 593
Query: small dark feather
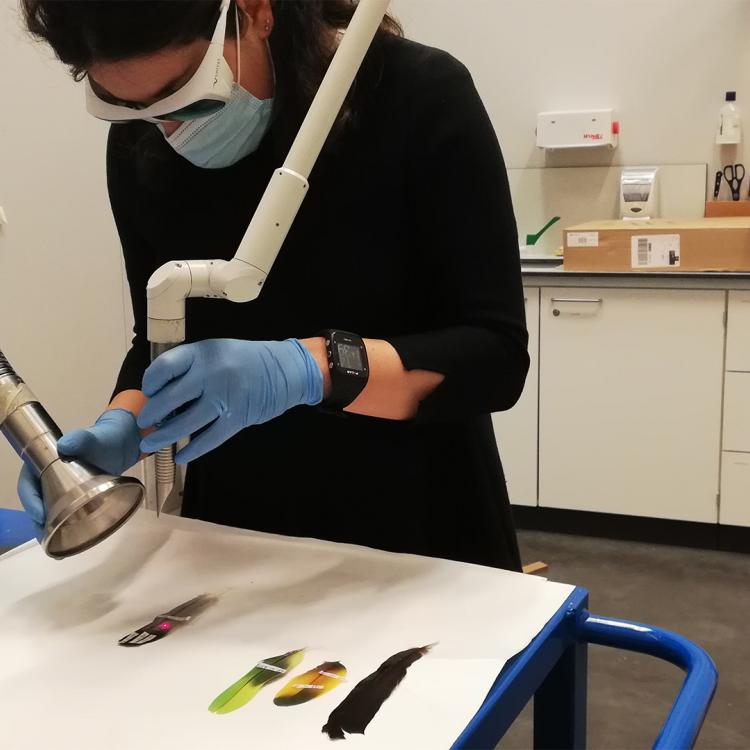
x: 163, y: 625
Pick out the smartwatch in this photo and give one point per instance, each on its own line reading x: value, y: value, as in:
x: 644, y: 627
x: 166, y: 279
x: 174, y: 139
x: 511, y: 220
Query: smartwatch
x: 347, y: 363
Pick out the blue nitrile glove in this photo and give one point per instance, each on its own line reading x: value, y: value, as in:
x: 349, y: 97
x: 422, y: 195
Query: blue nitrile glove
x: 229, y: 385
x: 111, y: 444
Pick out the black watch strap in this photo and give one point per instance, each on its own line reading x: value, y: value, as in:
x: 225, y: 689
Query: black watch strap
x: 348, y: 367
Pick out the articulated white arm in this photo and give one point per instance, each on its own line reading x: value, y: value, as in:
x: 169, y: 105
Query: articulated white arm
x: 242, y: 278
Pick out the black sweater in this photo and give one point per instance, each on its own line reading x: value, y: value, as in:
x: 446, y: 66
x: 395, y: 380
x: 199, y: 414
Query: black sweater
x: 407, y: 234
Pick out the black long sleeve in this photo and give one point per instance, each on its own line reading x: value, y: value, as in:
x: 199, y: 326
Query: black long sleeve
x: 407, y: 234
x: 465, y: 230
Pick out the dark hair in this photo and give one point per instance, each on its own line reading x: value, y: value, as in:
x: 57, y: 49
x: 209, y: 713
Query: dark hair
x: 84, y: 31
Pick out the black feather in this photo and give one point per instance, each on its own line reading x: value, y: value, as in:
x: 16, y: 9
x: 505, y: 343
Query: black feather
x: 357, y: 710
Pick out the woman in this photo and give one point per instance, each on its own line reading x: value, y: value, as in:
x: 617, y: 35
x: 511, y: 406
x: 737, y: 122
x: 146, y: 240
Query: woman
x: 406, y: 238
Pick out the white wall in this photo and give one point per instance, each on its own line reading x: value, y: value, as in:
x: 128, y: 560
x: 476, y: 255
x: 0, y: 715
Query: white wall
x: 61, y: 297
x: 664, y: 65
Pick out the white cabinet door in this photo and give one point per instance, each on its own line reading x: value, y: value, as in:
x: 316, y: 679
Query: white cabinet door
x: 516, y: 430
x: 630, y: 401
x: 737, y: 412
x: 738, y: 332
x: 735, y: 489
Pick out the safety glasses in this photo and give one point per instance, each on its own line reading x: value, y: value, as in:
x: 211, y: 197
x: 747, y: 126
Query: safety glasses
x: 207, y: 91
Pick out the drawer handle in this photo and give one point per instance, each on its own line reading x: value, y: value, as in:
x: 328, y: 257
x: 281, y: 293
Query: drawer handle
x: 578, y: 301
x: 573, y: 301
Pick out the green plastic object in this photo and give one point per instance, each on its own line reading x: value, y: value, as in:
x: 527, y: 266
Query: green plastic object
x: 532, y: 239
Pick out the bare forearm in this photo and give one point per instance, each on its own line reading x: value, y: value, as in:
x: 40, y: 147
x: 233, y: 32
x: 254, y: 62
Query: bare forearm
x: 392, y: 392
x: 132, y: 401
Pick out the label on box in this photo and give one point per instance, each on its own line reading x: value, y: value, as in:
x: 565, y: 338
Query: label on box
x: 583, y: 239
x: 655, y: 251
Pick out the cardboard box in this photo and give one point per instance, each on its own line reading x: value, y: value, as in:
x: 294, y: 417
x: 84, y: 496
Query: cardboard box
x: 727, y: 208
x: 715, y: 244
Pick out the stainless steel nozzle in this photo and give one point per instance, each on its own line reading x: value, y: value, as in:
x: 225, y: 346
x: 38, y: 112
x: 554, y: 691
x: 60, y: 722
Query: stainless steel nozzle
x: 83, y: 504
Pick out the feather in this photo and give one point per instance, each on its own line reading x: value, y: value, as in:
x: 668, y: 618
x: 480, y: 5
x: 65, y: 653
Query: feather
x: 247, y: 687
x: 357, y: 710
x: 162, y: 625
x: 318, y: 681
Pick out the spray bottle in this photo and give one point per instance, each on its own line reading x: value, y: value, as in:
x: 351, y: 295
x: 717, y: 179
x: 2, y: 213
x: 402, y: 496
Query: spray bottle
x: 730, y: 122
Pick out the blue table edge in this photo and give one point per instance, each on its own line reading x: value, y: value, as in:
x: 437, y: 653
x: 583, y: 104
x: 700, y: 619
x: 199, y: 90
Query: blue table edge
x: 16, y: 528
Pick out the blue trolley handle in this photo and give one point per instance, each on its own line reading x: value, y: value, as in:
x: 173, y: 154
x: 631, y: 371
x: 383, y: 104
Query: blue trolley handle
x: 680, y: 731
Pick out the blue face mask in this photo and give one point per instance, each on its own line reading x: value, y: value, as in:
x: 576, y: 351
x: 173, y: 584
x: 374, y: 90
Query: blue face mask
x: 227, y: 136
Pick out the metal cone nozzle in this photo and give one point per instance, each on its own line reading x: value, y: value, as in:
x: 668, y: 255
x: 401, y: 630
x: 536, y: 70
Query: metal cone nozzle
x: 84, y: 507
x: 83, y: 504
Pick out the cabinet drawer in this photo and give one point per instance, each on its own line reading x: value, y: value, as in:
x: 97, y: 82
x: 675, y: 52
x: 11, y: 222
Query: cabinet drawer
x: 738, y: 332
x: 737, y: 411
x: 735, y: 489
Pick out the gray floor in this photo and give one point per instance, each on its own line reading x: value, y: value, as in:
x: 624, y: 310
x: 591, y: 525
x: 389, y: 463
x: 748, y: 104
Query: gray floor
x: 700, y: 594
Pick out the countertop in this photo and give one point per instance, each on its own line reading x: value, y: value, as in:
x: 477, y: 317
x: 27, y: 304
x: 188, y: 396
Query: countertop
x: 552, y: 274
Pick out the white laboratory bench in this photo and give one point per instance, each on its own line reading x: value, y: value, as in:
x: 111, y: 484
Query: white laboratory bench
x: 635, y: 420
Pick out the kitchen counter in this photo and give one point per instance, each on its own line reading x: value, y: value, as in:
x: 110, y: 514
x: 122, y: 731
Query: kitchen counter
x: 553, y: 275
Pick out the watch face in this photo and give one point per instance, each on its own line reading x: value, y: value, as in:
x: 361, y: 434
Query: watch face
x: 347, y: 354
x: 350, y: 357
x: 349, y: 368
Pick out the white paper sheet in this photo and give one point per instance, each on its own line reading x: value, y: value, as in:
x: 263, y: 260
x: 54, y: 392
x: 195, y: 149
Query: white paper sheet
x: 65, y: 683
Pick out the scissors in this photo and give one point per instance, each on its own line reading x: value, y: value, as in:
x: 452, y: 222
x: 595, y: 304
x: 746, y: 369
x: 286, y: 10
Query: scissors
x: 734, y: 175
x: 717, y: 188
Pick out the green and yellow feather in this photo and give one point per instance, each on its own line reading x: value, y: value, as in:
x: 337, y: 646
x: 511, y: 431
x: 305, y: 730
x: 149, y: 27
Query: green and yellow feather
x: 246, y: 688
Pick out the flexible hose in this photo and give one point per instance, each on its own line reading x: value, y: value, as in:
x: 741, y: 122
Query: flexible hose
x: 6, y: 369
x: 165, y: 474
x: 164, y: 466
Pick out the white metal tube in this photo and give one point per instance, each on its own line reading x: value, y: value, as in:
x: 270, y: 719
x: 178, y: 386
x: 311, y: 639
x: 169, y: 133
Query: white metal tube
x: 241, y: 279
x: 335, y: 86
